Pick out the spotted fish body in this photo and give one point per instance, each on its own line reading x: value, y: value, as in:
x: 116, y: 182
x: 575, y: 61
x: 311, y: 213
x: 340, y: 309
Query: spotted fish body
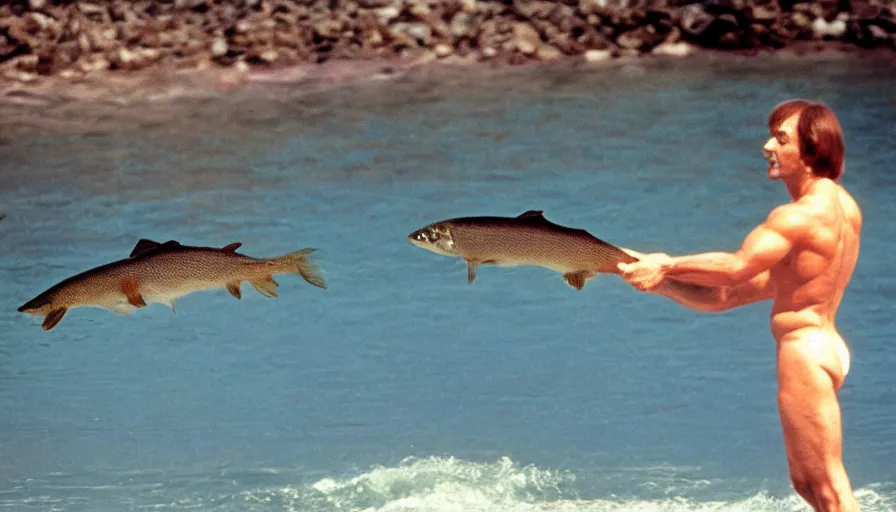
x: 528, y: 239
x: 161, y: 273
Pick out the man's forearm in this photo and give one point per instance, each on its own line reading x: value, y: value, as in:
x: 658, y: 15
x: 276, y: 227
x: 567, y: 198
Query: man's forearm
x: 698, y: 297
x: 708, y: 269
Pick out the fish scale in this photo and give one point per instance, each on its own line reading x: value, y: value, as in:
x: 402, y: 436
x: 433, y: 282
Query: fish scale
x: 529, y: 239
x: 161, y: 273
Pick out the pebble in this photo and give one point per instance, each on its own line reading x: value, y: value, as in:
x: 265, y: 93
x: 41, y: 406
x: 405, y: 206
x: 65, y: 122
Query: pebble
x: 279, y: 32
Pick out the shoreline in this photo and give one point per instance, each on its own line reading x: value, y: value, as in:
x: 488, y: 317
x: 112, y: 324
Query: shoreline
x: 164, y: 83
x: 90, y: 50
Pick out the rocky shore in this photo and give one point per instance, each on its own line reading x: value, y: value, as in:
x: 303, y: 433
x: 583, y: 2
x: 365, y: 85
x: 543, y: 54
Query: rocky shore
x: 74, y: 39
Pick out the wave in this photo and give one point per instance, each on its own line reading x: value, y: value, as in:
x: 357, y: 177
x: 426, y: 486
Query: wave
x: 431, y: 484
x: 448, y: 484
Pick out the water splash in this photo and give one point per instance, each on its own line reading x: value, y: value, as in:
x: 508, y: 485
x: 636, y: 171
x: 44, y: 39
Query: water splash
x: 448, y: 484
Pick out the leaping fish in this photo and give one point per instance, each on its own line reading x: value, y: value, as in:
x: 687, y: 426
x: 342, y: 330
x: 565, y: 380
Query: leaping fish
x: 529, y: 239
x: 162, y: 272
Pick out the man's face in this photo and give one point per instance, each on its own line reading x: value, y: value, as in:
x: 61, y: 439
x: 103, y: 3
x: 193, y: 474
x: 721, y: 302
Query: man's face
x: 783, y: 150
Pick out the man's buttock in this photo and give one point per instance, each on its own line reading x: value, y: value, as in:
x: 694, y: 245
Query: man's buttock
x: 828, y: 347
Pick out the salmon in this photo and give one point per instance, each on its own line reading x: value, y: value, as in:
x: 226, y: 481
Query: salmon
x: 529, y: 239
x: 162, y: 272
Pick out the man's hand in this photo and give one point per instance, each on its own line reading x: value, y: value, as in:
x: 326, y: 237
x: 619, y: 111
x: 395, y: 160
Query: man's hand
x: 647, y: 273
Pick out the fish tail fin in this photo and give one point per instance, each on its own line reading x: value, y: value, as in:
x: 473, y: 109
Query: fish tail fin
x: 299, y: 263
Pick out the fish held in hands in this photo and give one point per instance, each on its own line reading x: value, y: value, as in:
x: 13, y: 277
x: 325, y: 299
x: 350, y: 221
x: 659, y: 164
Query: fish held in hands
x: 162, y: 272
x: 529, y: 239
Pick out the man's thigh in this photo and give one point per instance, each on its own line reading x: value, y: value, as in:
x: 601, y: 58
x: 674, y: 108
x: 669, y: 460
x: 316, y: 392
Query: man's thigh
x: 810, y: 412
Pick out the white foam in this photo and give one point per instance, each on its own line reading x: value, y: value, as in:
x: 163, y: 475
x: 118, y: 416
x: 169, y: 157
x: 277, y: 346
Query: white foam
x: 448, y: 484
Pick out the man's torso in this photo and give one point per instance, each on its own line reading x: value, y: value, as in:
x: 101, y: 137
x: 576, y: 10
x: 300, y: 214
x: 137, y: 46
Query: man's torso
x: 811, y: 279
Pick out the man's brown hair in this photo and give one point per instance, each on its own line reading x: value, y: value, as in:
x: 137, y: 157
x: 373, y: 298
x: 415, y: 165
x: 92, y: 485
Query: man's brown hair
x: 819, y: 133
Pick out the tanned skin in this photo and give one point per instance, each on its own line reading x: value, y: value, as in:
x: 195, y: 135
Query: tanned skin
x: 801, y: 258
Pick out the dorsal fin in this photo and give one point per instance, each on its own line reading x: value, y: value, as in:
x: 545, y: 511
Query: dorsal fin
x: 531, y: 214
x: 231, y: 247
x: 144, y: 245
x: 534, y: 217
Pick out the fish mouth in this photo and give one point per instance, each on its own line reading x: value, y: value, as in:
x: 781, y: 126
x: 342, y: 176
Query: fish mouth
x: 417, y: 237
x: 424, y: 237
x: 436, y: 238
x: 33, y: 305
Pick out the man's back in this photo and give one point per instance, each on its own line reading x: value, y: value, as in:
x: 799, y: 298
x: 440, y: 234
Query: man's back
x: 811, y: 280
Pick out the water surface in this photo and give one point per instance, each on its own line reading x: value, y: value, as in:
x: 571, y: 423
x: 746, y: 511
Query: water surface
x: 401, y: 387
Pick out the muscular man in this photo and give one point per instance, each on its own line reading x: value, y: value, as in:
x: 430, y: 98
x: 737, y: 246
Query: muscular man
x: 801, y: 258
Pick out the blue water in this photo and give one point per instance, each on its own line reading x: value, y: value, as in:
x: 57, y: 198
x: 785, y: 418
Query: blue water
x: 401, y: 387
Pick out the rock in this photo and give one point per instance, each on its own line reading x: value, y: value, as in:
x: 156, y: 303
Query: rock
x: 370, y: 4
x: 598, y: 55
x: 462, y: 25
x: 878, y: 35
x: 526, y: 38
x: 641, y: 39
x: 821, y: 29
x: 328, y: 28
x: 547, y: 52
x: 469, y: 6
x: 126, y: 58
x: 801, y: 20
x: 764, y: 14
x: 21, y: 76
x: 533, y: 8
x: 837, y: 28
x: 37, y: 5
x: 695, y: 20
x: 94, y: 62
x: 219, y: 47
x: 71, y: 74
x: 387, y: 14
x: 39, y: 22
x: 420, y: 33
x: 443, y: 50
x: 94, y: 12
x: 679, y: 49
x: 26, y: 62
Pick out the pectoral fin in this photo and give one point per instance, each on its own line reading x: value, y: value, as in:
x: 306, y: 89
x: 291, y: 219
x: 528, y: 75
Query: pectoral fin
x: 130, y: 290
x: 577, y: 279
x: 53, y: 318
x: 266, y: 286
x: 472, y: 267
x: 234, y: 289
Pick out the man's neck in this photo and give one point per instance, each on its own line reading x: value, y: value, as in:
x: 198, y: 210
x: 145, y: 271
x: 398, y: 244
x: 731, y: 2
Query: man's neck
x: 800, y: 185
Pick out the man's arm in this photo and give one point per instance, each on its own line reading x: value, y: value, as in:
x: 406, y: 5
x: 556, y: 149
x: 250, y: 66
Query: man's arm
x: 765, y: 246
x: 711, y: 299
x: 714, y: 299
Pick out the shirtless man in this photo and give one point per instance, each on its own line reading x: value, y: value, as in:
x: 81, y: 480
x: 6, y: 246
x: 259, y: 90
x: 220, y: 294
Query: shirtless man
x: 801, y: 258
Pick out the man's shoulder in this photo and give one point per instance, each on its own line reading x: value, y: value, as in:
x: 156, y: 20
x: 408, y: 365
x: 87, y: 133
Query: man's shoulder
x: 835, y: 199
x: 788, y: 217
x: 826, y: 206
